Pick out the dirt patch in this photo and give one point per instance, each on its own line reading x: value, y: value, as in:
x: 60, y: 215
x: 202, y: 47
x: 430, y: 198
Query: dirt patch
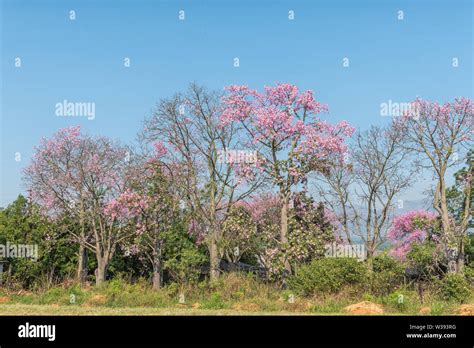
x: 4, y: 299
x: 299, y: 306
x: 365, y: 308
x: 465, y: 309
x: 425, y: 311
x: 249, y: 307
x: 96, y: 300
x: 196, y: 305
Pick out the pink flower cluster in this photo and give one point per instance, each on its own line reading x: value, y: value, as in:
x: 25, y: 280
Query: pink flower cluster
x: 65, y: 138
x: 196, y: 230
x: 409, y: 228
x: 160, y: 149
x: 333, y: 220
x: 260, y: 205
x: 128, y: 205
x: 280, y: 118
x: 444, y: 119
x: 324, y: 140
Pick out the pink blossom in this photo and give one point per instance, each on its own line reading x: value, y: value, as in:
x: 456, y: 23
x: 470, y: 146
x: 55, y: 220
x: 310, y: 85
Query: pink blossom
x: 284, y: 120
x: 409, y: 228
x: 160, y: 149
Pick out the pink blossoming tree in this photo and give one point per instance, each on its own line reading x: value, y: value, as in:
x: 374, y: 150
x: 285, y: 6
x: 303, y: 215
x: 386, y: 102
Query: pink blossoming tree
x: 281, y: 124
x: 187, y: 126
x: 157, y: 199
x: 82, y: 177
x: 412, y: 227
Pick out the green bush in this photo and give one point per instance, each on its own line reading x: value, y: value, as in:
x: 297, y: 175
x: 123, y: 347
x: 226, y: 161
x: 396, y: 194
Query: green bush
x: 215, y: 301
x: 469, y: 272
x: 425, y: 258
x: 182, y: 259
x: 22, y: 223
x: 327, y: 275
x: 387, y: 275
x: 455, y: 287
x: 399, y: 300
x: 469, y: 250
x: 118, y: 293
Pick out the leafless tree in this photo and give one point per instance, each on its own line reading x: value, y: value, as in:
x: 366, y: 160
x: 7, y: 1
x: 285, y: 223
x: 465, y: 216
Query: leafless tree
x: 440, y: 135
x: 190, y: 124
x: 362, y: 191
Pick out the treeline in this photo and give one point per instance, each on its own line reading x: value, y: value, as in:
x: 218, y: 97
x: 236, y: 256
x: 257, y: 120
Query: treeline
x: 243, y: 176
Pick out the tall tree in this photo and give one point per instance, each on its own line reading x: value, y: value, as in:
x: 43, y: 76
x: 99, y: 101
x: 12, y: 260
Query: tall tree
x: 440, y: 134
x: 155, y: 191
x: 459, y: 200
x: 280, y: 124
x: 56, y: 179
x: 364, y: 189
x: 188, y: 126
x: 81, y: 176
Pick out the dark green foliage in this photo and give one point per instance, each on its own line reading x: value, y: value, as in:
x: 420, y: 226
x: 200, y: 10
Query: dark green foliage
x: 327, y: 275
x: 426, y: 259
x: 469, y: 250
x: 387, y: 275
x: 21, y: 223
x: 455, y: 288
x: 182, y: 258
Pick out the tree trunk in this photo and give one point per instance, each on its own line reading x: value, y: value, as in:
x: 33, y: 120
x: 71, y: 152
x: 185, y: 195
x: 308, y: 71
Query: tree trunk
x: 449, y: 238
x: 82, y: 259
x: 460, y: 261
x: 284, y: 232
x: 370, y: 264
x: 101, y: 271
x: 82, y: 265
x: 214, y: 258
x: 157, y: 278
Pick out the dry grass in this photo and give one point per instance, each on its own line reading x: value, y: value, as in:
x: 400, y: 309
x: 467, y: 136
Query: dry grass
x: 38, y: 310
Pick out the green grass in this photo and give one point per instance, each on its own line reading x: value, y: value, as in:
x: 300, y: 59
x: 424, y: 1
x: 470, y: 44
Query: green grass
x: 231, y: 295
x: 24, y: 309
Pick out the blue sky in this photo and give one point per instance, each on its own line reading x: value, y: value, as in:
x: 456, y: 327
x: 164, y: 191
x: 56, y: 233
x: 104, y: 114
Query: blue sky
x: 82, y: 60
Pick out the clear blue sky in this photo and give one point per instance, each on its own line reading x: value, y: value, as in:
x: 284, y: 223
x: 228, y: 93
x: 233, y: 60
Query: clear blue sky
x: 82, y: 60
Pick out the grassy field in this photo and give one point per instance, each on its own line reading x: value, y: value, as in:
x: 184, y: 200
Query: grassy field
x: 39, y: 310
x: 22, y: 309
x: 232, y: 295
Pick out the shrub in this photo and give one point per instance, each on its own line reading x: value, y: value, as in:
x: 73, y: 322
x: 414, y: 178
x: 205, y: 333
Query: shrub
x: 469, y: 250
x: 455, y: 287
x: 399, y: 300
x: 182, y: 259
x: 425, y: 258
x: 118, y: 293
x: 22, y: 223
x: 387, y: 275
x: 237, y: 286
x: 469, y: 272
x: 327, y: 275
x: 215, y: 301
